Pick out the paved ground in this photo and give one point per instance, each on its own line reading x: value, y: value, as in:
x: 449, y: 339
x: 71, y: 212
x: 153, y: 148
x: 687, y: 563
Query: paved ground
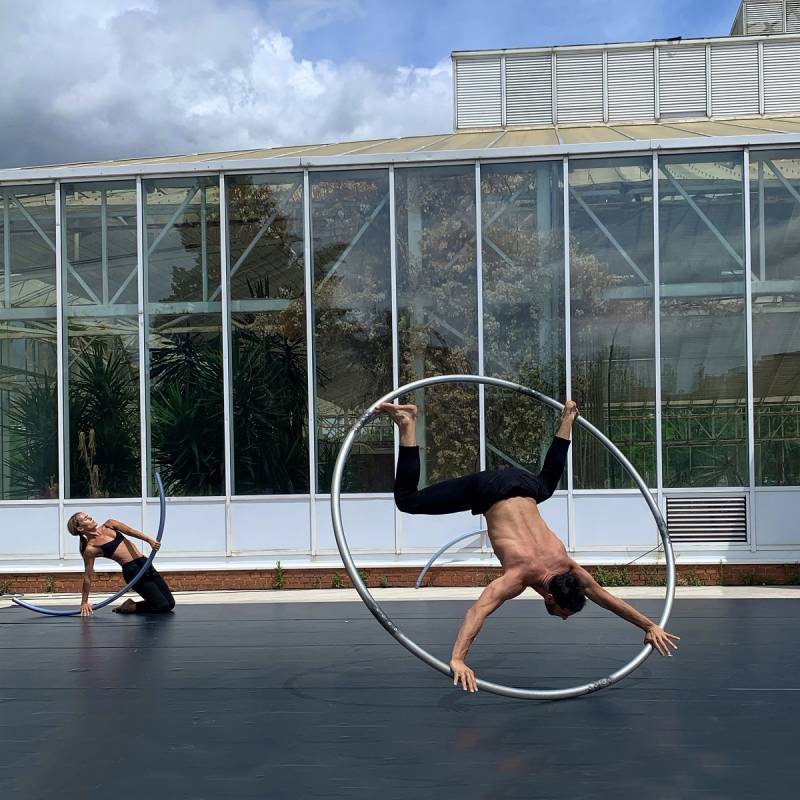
x: 285, y: 699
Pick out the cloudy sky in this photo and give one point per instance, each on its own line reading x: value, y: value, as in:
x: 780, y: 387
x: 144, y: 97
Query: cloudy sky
x: 96, y: 79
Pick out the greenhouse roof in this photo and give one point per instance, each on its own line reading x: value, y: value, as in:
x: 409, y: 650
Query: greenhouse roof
x: 551, y: 140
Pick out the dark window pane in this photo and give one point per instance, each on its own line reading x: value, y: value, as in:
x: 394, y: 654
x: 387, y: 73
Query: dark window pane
x: 268, y: 344
x: 438, y: 311
x: 703, y: 362
x: 352, y: 323
x: 523, y: 305
x: 612, y: 324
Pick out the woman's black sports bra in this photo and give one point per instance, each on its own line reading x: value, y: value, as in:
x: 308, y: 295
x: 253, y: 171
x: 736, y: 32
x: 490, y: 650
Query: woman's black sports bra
x: 109, y: 548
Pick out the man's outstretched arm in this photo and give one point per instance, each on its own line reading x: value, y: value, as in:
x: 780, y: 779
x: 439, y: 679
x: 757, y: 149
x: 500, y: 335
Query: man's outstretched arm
x: 654, y: 635
x: 492, y: 597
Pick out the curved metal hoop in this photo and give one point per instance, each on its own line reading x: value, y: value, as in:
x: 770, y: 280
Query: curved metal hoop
x: 413, y: 647
x: 443, y: 549
x: 55, y: 613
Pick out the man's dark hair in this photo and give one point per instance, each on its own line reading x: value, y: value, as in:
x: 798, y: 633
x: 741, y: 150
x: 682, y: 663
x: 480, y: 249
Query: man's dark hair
x: 567, y: 591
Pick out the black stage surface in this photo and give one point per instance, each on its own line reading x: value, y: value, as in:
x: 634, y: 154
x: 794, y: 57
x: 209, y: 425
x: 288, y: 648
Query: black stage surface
x: 312, y: 700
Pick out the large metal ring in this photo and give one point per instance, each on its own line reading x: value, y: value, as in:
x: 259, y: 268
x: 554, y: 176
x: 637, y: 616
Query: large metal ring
x: 413, y: 647
x: 50, y: 612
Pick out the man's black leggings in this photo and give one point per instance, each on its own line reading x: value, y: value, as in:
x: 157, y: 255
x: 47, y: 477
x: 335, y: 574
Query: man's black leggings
x: 157, y: 598
x: 479, y: 491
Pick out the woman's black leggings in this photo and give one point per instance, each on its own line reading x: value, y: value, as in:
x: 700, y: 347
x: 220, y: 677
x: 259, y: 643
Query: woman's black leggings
x: 480, y: 490
x: 151, y: 586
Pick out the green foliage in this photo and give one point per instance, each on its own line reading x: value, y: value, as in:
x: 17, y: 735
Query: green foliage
x: 751, y: 579
x: 50, y: 584
x: 384, y: 582
x: 689, y: 579
x: 364, y: 576
x: 336, y: 581
x: 103, y: 419
x: 610, y: 576
x: 5, y: 588
x: 31, y: 426
x: 278, y: 580
x: 793, y: 578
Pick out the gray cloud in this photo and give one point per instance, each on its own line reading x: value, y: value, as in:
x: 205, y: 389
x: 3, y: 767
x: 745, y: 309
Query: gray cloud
x: 93, y: 80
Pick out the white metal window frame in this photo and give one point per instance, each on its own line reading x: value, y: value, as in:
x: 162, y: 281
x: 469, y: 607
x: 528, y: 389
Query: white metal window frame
x: 312, y: 497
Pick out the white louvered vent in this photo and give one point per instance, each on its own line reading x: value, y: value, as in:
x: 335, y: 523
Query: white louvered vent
x: 478, y: 96
x: 529, y: 89
x: 781, y: 70
x: 764, y: 16
x: 682, y: 81
x: 631, y: 84
x: 734, y: 79
x: 792, y: 16
x: 579, y: 86
x: 707, y: 519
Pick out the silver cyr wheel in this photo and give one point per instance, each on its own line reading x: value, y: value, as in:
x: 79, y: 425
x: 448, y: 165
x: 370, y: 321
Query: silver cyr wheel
x: 409, y: 644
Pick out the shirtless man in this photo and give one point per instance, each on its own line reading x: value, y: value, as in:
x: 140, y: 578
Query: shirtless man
x: 530, y: 553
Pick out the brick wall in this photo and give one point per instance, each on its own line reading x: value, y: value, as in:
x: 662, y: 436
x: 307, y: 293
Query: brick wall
x: 327, y: 578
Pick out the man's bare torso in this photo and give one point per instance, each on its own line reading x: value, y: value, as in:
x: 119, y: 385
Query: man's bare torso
x: 523, y: 543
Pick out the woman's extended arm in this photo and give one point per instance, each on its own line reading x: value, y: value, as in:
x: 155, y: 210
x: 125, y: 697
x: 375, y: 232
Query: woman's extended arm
x: 128, y: 531
x: 88, y: 574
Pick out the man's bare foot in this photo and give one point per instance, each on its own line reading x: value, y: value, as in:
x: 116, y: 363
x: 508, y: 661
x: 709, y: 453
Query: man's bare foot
x: 128, y: 607
x: 405, y: 417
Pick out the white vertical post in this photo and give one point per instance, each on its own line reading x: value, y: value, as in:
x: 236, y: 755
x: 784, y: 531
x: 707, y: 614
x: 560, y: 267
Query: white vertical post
x: 104, y: 243
x: 62, y: 361
x: 503, y: 101
x: 398, y: 518
x: 479, y: 284
x: 748, y: 293
x: 709, y: 78
x: 144, y: 382
x: 311, y: 382
x: 762, y: 219
x: 481, y: 358
x: 657, y: 335
x: 656, y: 85
x: 605, y: 86
x: 761, y: 78
x: 568, y: 356
x: 227, y: 382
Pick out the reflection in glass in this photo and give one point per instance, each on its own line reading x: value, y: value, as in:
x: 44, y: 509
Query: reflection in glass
x: 28, y: 410
x: 775, y: 221
x: 28, y: 253
x: 268, y: 344
x: 184, y: 335
x: 612, y: 325
x: 352, y: 323
x: 28, y: 391
x: 100, y: 243
x: 103, y: 392
x: 102, y: 387
x: 703, y: 354
x: 523, y: 305
x: 437, y: 305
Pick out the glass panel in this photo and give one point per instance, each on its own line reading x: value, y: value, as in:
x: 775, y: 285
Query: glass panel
x: 184, y: 329
x: 438, y: 311
x: 352, y: 323
x: 268, y: 344
x: 523, y: 305
x: 100, y: 306
x: 612, y: 324
x: 775, y: 220
x: 103, y: 392
x: 100, y: 243
x: 703, y: 347
x: 28, y: 254
x: 28, y: 410
x: 28, y: 377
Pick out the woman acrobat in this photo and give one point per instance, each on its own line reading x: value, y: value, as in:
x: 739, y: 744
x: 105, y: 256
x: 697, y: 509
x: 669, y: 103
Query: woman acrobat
x: 109, y: 540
